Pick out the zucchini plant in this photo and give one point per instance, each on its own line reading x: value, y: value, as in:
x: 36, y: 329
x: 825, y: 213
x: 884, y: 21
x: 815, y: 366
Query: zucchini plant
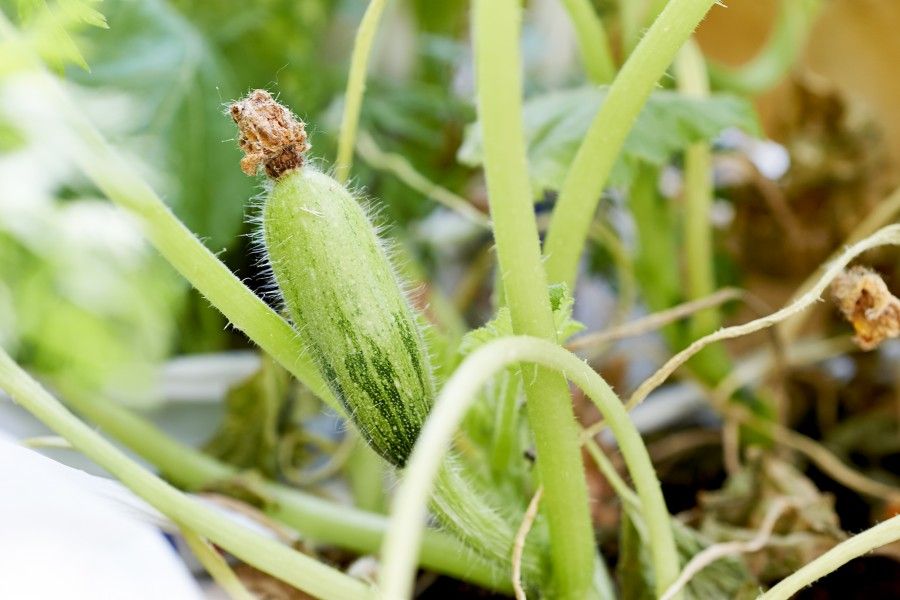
x: 493, y: 450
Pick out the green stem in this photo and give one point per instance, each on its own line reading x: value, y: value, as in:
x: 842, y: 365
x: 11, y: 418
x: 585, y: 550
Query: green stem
x: 587, y: 176
x: 263, y: 553
x: 656, y: 266
x: 690, y: 71
x: 459, y: 502
x: 315, y: 518
x: 858, y: 545
x: 216, y: 565
x: 499, y: 86
x: 356, y: 87
x: 403, y: 170
x: 121, y: 183
x: 592, y: 41
x: 785, y: 43
x: 461, y: 390
x: 631, y: 20
x: 505, y: 433
x: 603, y: 235
x: 366, y: 472
x: 654, y: 9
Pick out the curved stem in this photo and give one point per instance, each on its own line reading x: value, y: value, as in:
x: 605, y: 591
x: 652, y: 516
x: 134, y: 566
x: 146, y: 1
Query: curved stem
x: 596, y: 156
x: 403, y: 170
x: 356, y: 87
x: 592, y: 41
x: 263, y: 553
x: 499, y: 90
x: 861, y: 543
x: 889, y: 235
x: 315, y: 518
x: 772, y: 62
x: 408, y: 511
x: 886, y: 211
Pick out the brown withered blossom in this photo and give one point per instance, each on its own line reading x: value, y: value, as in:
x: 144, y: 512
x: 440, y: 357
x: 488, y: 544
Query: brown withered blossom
x: 864, y: 299
x: 270, y: 135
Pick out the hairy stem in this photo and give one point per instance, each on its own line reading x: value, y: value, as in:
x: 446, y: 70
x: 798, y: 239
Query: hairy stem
x: 858, y: 545
x: 458, y: 394
x: 499, y: 86
x: 315, y: 518
x: 587, y: 176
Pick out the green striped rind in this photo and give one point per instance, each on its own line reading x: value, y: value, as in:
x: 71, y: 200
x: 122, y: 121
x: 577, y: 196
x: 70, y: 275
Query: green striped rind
x: 349, y: 309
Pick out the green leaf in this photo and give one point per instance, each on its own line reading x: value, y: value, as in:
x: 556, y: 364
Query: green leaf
x: 82, y: 12
x: 725, y: 578
x: 86, y: 302
x: 556, y: 122
x: 155, y: 57
x: 250, y: 432
x: 51, y: 26
x: 501, y: 325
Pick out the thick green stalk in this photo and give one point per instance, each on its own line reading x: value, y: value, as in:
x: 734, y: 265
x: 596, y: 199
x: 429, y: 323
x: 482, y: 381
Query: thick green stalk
x: 457, y: 396
x: 690, y: 71
x: 315, y: 518
x: 356, y: 87
x: 499, y: 85
x: 262, y: 552
x: 593, y: 44
x: 588, y: 174
x: 656, y: 258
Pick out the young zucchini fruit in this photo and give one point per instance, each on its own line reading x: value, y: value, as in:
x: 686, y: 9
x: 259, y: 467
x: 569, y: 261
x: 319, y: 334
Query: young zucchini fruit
x: 350, y: 311
x: 337, y: 284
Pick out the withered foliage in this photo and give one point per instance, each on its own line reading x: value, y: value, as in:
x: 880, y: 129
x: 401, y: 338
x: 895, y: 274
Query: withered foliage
x: 865, y: 301
x: 270, y: 135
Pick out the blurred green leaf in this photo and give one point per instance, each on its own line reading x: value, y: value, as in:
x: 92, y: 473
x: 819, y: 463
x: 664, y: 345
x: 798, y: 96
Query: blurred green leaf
x: 89, y: 303
x: 250, y: 431
x: 50, y: 27
x: 556, y: 122
x: 152, y: 54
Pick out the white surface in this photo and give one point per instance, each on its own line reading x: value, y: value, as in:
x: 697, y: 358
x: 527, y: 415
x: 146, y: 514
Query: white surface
x: 67, y: 534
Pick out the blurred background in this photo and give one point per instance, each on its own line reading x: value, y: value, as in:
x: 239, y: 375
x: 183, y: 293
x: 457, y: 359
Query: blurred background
x: 806, y: 146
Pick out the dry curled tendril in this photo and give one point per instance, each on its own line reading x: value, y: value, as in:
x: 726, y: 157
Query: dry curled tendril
x: 270, y: 135
x: 864, y: 299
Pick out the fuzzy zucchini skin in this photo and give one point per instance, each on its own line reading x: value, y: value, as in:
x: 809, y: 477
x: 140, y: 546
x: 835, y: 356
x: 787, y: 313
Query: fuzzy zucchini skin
x: 339, y: 288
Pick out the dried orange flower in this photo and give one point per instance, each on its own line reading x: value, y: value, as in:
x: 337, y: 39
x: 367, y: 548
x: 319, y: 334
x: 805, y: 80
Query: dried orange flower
x: 270, y: 135
x: 866, y: 302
